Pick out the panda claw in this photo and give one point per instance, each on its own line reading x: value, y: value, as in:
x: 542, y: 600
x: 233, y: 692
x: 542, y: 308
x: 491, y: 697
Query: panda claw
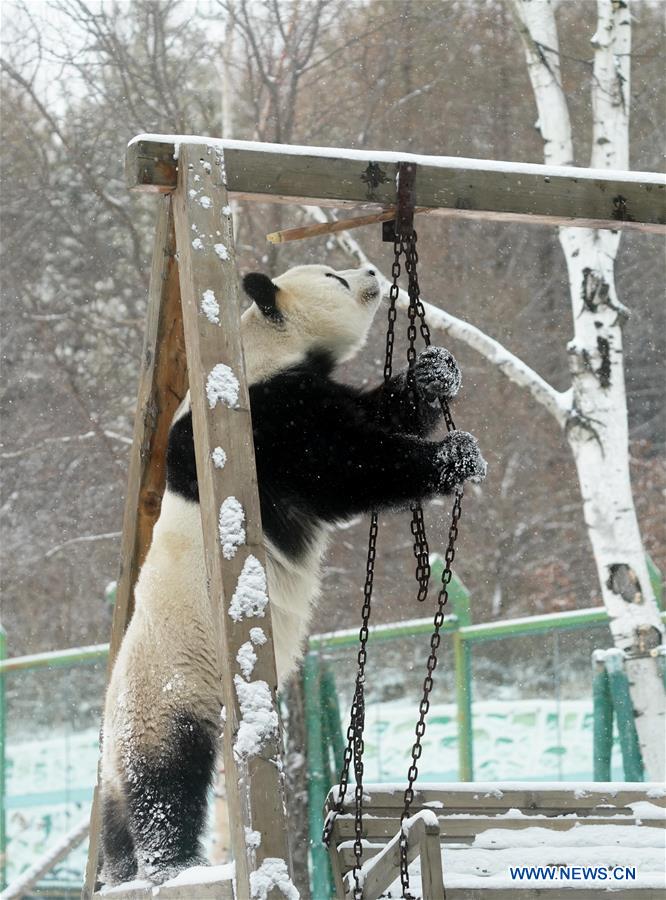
x: 460, y: 460
x: 437, y: 374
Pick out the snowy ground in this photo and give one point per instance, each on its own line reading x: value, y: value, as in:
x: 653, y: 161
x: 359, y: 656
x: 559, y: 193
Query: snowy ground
x: 49, y: 782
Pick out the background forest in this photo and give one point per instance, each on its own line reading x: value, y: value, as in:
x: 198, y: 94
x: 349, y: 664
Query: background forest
x: 81, y: 78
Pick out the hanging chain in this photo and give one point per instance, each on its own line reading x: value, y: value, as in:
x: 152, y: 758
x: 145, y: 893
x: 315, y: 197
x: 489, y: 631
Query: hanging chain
x: 355, y: 742
x: 424, y: 705
x: 421, y: 549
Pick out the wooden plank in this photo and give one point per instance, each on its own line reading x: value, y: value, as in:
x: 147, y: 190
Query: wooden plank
x: 338, y: 867
x: 432, y: 883
x: 382, y: 869
x: 218, y: 890
x: 221, y: 416
x: 162, y: 384
x: 473, y: 796
x: 456, y: 826
x: 466, y: 188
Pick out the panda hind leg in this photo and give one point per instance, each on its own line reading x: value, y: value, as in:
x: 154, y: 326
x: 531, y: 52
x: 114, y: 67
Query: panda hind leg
x: 168, y: 799
x: 118, y: 859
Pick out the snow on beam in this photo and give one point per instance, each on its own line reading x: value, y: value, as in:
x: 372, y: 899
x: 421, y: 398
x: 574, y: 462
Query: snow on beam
x: 454, y: 186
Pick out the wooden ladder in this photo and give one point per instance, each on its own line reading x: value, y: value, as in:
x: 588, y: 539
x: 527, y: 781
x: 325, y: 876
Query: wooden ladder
x: 194, y: 255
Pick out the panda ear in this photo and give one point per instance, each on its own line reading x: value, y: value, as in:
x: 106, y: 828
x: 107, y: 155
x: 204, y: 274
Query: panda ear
x: 261, y: 289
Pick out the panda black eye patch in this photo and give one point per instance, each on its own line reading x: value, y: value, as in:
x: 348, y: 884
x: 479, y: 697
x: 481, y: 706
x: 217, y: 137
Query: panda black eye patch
x: 338, y: 278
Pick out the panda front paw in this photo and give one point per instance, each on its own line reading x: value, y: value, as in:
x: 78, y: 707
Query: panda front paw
x: 437, y: 374
x: 459, y: 460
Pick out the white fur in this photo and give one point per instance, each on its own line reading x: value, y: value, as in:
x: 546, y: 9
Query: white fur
x: 168, y: 658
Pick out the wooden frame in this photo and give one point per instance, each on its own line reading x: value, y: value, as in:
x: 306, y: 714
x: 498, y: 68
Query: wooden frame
x: 451, y: 186
x: 195, y: 174
x: 196, y: 222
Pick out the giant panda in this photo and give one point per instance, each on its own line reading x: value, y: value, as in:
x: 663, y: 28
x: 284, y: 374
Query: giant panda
x: 325, y: 451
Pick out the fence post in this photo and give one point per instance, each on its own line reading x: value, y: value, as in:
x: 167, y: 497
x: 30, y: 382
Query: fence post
x: 462, y: 660
x: 331, y: 715
x: 602, y: 705
x: 317, y: 769
x: 618, y: 684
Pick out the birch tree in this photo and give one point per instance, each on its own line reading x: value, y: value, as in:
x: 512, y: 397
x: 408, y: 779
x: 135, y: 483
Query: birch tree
x: 596, y: 414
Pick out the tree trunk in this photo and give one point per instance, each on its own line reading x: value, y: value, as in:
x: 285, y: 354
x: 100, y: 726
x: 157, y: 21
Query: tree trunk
x: 596, y: 427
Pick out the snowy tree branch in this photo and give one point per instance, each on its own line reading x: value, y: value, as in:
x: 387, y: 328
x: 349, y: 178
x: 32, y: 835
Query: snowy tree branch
x: 66, y: 439
x: 84, y: 539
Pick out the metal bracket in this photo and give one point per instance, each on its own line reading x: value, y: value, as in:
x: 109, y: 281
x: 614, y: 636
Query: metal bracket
x: 403, y: 224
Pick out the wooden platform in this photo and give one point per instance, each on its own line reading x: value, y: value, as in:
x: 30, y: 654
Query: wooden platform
x: 482, y: 830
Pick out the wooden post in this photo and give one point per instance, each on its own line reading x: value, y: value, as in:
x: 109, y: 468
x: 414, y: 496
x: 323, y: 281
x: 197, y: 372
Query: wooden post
x: 162, y: 384
x: 230, y: 514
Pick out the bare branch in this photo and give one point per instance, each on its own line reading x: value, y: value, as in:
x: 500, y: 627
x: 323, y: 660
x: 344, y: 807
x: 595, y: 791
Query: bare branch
x: 84, y: 539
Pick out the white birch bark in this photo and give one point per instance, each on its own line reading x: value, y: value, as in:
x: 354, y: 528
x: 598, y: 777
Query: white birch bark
x: 596, y: 425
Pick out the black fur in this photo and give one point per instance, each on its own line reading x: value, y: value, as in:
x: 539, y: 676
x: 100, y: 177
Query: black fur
x: 326, y: 451
x: 117, y: 844
x: 262, y: 290
x: 165, y: 801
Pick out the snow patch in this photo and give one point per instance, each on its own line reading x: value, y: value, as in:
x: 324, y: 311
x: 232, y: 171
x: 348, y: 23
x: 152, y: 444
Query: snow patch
x: 222, y: 386
x: 231, y: 527
x: 246, y: 659
x: 251, y: 595
x: 219, y: 457
x: 210, y: 307
x: 197, y: 243
x: 222, y: 252
x: 226, y: 210
x: 203, y: 875
x: 259, y: 720
x: 257, y: 636
x: 273, y: 873
x: 252, y: 838
x: 205, y: 201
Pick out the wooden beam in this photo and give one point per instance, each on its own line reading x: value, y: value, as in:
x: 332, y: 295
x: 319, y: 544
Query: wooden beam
x: 455, y: 186
x: 215, y: 890
x: 162, y: 384
x: 234, y: 552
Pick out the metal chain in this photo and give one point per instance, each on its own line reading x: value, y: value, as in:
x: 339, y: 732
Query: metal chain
x: 421, y: 549
x: 424, y: 705
x: 416, y: 304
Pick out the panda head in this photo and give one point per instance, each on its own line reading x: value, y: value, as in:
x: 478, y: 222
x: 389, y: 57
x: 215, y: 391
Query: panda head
x: 308, y: 308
